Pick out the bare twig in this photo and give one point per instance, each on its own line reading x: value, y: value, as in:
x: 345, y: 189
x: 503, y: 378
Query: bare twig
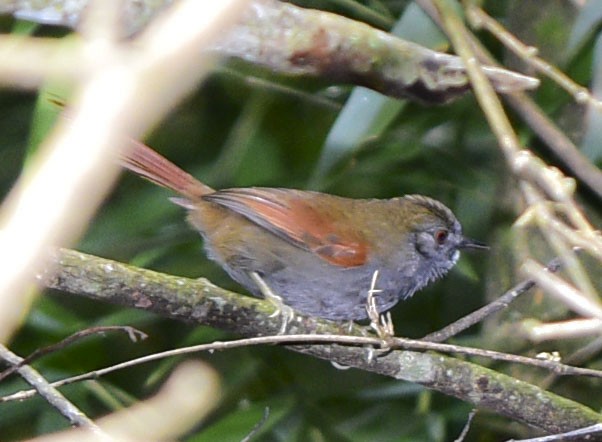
x: 478, y: 315
x: 49, y: 206
x: 580, y: 434
x: 578, y: 357
x: 562, y: 290
x: 546, y: 214
x: 258, y: 425
x: 553, y: 137
x: 478, y: 18
x: 189, y: 394
x: 569, y: 329
x: 557, y: 142
x: 50, y: 393
x: 466, y: 428
x: 133, y: 333
x: 539, y: 183
x: 484, y: 92
x: 311, y: 339
x: 201, y: 302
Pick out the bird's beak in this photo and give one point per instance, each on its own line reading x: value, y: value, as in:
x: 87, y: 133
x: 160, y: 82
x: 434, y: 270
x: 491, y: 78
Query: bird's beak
x: 468, y: 243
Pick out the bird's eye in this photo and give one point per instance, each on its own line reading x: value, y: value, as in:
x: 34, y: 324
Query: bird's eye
x: 441, y: 236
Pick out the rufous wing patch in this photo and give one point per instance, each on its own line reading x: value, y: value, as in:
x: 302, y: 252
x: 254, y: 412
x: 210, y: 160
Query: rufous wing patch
x: 294, y: 218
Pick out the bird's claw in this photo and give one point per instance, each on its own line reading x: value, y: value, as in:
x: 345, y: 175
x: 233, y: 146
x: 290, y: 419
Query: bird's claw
x: 282, y: 310
x: 380, y: 323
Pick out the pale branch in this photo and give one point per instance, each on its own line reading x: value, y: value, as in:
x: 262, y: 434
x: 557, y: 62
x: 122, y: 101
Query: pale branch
x: 94, y: 132
x: 479, y: 315
x: 199, y: 301
x: 135, y: 14
x: 493, y: 307
x: 536, y: 178
x: 294, y: 40
x: 580, y: 434
x: 479, y: 19
x: 184, y: 399
x: 555, y: 140
x: 48, y: 392
x: 297, y: 41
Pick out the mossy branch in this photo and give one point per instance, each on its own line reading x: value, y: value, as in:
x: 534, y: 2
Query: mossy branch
x: 199, y: 301
x: 298, y: 41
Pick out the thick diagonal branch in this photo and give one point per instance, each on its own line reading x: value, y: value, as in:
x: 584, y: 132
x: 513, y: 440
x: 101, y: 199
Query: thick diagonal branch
x: 199, y: 301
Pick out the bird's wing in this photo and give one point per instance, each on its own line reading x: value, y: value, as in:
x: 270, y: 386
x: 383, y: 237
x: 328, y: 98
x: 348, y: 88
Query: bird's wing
x: 292, y: 216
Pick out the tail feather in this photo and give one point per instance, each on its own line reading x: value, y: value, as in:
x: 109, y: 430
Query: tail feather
x: 149, y: 164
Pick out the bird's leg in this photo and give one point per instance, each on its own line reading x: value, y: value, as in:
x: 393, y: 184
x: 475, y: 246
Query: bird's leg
x: 350, y: 325
x: 286, y: 312
x: 382, y: 324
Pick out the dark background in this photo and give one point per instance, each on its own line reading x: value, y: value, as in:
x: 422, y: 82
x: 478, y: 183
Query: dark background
x: 245, y: 126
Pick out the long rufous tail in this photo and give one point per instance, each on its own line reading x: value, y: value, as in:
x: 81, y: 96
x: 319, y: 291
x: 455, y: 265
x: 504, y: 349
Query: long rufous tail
x: 149, y: 164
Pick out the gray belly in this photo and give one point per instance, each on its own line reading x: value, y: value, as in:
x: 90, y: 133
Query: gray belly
x: 312, y: 286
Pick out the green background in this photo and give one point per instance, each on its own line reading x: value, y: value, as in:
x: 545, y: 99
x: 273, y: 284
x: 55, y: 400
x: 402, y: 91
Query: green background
x: 248, y: 127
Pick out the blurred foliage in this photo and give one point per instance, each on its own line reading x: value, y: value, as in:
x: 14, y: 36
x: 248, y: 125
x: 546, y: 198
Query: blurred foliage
x: 245, y: 126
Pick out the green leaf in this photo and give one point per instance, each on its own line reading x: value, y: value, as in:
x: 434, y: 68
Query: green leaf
x: 367, y: 113
x: 240, y: 422
x: 591, y: 145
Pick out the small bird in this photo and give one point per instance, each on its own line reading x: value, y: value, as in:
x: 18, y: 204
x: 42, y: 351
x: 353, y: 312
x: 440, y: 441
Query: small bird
x: 317, y: 252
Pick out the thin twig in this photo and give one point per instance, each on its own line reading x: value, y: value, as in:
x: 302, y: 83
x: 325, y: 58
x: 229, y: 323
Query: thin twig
x: 566, y: 329
x: 257, y: 426
x: 201, y: 302
x: 478, y: 315
x: 541, y: 212
x: 310, y: 339
x: 189, y: 394
x: 484, y: 92
x: 556, y: 140
x: 48, y: 206
x: 478, y: 18
x: 578, y: 357
x: 466, y: 428
x: 532, y: 171
x: 562, y: 290
x: 49, y: 392
x: 580, y: 434
x: 132, y: 332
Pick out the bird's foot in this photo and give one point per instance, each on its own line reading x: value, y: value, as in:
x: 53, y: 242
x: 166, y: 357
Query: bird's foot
x: 284, y: 311
x: 380, y: 323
